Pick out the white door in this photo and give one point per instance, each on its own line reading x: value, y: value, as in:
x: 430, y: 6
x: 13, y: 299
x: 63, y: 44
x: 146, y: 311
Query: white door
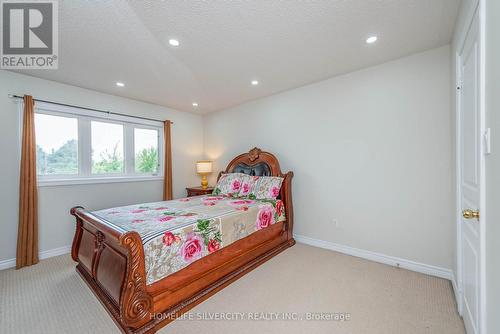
x: 470, y: 178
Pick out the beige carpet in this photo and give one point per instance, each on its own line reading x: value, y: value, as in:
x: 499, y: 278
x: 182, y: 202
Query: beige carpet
x: 51, y: 298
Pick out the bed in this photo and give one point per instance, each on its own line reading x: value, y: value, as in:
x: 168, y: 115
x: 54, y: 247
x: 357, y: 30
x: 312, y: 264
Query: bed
x: 147, y: 276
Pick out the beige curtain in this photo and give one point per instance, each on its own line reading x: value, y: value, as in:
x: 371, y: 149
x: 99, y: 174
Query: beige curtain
x: 27, y: 233
x: 167, y: 146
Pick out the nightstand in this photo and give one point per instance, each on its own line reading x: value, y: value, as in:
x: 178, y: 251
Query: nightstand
x: 197, y: 191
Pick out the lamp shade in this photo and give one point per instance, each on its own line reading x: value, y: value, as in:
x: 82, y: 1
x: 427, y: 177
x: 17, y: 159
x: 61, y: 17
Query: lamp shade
x: 204, y: 166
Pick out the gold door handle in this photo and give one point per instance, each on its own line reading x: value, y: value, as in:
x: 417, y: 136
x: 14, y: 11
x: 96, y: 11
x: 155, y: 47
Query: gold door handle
x: 470, y: 214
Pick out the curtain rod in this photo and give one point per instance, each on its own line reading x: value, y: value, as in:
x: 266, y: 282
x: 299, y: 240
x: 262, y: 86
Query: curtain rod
x: 91, y: 109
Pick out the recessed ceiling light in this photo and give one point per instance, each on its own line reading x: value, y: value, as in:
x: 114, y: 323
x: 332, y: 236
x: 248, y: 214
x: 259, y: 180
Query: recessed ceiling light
x: 255, y: 82
x: 120, y: 84
x: 195, y: 104
x: 173, y: 42
x: 371, y: 39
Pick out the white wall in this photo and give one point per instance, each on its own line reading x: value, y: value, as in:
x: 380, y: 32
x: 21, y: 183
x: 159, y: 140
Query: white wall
x: 371, y: 149
x: 493, y: 166
x: 55, y: 224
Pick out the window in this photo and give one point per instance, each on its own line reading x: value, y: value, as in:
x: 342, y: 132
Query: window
x: 146, y: 150
x: 81, y: 146
x: 57, y: 145
x: 107, y: 147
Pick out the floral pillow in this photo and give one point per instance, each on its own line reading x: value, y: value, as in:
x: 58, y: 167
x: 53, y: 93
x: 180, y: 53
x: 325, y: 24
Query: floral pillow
x: 247, y: 183
x: 229, y: 184
x: 261, y: 187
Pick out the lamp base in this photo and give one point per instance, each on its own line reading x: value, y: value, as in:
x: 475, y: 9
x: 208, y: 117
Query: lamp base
x: 204, y: 182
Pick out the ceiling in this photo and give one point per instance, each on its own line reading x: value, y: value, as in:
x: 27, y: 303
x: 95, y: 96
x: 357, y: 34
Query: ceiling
x: 226, y: 44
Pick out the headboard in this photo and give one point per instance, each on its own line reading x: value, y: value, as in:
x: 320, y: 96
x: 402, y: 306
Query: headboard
x: 256, y: 163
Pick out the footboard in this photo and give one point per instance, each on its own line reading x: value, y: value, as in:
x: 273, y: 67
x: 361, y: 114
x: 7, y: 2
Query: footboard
x: 112, y: 263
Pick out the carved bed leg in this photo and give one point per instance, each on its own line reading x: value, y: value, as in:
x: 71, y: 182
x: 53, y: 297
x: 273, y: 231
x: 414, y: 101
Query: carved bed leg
x: 136, y: 305
x: 78, y: 234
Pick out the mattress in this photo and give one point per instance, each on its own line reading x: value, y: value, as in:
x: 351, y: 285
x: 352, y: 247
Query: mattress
x: 178, y: 232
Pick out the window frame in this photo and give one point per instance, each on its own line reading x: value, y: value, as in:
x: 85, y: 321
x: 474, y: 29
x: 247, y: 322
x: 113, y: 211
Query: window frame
x: 84, y: 118
x: 50, y: 113
x: 124, y: 143
x: 159, y: 149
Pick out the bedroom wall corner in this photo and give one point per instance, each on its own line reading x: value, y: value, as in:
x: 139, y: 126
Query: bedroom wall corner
x: 371, y: 150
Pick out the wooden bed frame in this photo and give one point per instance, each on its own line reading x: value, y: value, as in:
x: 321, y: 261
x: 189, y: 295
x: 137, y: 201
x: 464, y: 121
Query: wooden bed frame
x: 112, y: 263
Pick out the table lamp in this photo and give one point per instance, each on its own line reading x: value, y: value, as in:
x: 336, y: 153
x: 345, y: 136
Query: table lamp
x: 204, y: 168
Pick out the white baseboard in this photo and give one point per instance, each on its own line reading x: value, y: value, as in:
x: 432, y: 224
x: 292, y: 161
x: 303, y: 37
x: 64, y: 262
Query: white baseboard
x: 11, y: 263
x: 377, y: 257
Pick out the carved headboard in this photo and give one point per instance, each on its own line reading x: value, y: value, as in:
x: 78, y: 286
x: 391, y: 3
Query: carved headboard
x: 256, y: 163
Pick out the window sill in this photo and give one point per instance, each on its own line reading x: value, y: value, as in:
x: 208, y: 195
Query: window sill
x: 97, y: 180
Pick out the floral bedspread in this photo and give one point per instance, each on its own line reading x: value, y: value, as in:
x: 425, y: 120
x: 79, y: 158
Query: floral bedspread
x: 176, y: 233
